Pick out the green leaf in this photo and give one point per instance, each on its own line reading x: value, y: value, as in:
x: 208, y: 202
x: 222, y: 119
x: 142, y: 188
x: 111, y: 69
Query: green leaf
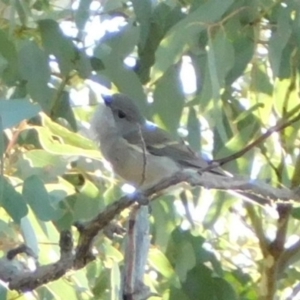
x: 184, y: 32
x: 29, y: 234
x: 64, y: 110
x: 160, y: 263
x: 55, y: 147
x: 162, y: 19
x: 232, y: 145
x: 279, y: 40
x: 220, y: 61
x: 82, y: 13
x: 127, y: 83
x: 260, y: 82
x: 41, y: 163
x: 223, y: 290
x: 9, y: 53
x: 115, y: 281
x: 38, y: 198
x: 88, y: 202
x: 143, y: 12
x: 63, y: 49
x: 168, y: 100
x: 69, y: 137
x: 165, y: 219
x: 23, y: 10
x: 2, y: 145
x: 69, y: 291
x: 296, y: 213
x: 118, y: 45
x: 34, y: 68
x: 199, y: 283
x: 194, y: 129
x: 12, y: 201
x: 177, y: 294
x: 3, y: 64
x: 112, y: 51
x: 45, y: 293
x: 14, y: 111
x: 4, y: 291
x: 102, y: 285
x: 243, y: 41
x: 112, y: 5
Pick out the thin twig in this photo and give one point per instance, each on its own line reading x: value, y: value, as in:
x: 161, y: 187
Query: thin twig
x: 144, y: 156
x: 278, y: 127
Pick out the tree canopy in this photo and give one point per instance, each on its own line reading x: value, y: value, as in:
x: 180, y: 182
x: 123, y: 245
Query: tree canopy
x: 62, y: 208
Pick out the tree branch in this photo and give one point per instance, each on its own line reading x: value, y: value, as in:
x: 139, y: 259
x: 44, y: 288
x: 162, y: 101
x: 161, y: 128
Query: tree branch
x: 276, y: 128
x: 26, y: 281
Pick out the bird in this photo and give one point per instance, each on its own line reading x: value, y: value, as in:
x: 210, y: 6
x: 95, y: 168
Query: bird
x: 140, y: 152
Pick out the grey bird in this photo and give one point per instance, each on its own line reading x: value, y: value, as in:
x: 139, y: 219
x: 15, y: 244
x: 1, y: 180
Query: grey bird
x: 139, y: 151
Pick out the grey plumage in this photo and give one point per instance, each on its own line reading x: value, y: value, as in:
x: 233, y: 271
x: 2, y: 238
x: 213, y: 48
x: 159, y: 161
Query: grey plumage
x: 141, y: 153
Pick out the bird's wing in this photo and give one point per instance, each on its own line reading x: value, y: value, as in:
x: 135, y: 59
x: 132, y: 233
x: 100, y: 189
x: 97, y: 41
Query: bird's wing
x: 159, y: 142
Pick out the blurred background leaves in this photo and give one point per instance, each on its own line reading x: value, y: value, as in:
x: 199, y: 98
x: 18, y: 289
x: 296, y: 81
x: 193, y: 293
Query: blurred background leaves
x: 219, y: 73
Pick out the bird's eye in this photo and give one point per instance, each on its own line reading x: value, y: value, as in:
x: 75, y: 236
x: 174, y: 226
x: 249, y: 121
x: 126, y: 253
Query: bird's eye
x: 121, y: 114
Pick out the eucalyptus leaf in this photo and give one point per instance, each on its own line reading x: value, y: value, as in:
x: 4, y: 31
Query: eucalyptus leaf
x: 14, y: 111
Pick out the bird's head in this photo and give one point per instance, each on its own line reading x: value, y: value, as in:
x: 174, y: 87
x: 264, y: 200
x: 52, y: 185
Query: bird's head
x: 126, y: 114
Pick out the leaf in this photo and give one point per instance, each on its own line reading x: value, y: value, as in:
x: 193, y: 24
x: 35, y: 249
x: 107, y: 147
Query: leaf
x: 64, y: 110
x: 165, y: 219
x: 3, y: 64
x: 68, y: 56
x: 127, y: 83
x: 243, y: 41
x: 102, y: 285
x: 199, y: 283
x: 23, y: 10
x: 118, y: 45
x: 34, y: 68
x: 168, y: 100
x: 88, y: 202
x: 194, y: 130
x: 9, y: 53
x: 223, y: 290
x: 176, y: 40
x: 2, y: 145
x: 30, y: 235
x: 41, y: 163
x: 12, y: 201
x: 232, y: 145
x: 260, y: 82
x: 82, y: 13
x: 112, y: 51
x: 279, y: 40
x: 281, y: 89
x: 58, y: 147
x: 220, y: 61
x: 14, y: 111
x: 177, y: 294
x: 4, y: 291
x: 296, y: 213
x: 160, y: 263
x: 38, y: 198
x: 162, y: 19
x: 44, y: 292
x: 69, y: 137
x: 56, y: 287
x: 143, y: 12
x: 115, y: 281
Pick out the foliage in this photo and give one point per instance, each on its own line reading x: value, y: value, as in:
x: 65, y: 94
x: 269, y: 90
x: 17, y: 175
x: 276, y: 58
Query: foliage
x: 206, y: 245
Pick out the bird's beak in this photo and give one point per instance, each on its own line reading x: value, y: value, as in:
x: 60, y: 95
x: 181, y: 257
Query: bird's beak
x: 107, y: 99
